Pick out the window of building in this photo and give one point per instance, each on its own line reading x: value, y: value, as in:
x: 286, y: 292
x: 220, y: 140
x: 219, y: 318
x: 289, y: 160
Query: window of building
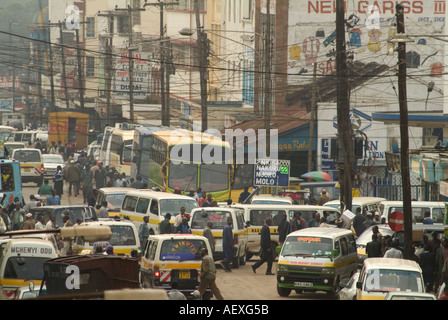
x: 90, y: 66
x: 90, y: 27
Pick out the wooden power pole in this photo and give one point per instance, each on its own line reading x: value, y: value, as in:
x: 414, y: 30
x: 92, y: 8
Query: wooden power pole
x: 404, y: 152
x: 343, y: 106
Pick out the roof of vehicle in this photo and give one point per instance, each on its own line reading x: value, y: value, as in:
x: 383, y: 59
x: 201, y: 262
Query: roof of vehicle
x: 359, y: 200
x: 54, y: 207
x: 176, y: 236
x: 321, y: 232
x: 26, y: 149
x: 271, y: 197
x: 304, y: 207
x: 115, y: 190
x: 11, y: 143
x: 106, y: 221
x: 414, y: 203
x: 391, y: 263
x: 157, y: 194
x: 51, y: 155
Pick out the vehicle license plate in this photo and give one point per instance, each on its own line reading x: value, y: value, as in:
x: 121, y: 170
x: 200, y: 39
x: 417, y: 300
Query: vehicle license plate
x: 303, y: 284
x: 184, y: 275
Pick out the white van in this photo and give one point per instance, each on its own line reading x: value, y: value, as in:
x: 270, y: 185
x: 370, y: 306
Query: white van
x: 382, y: 275
x: 29, y: 136
x: 255, y: 216
x: 31, y: 164
x: 170, y: 258
x: 316, y: 259
x: 22, y: 261
x: 124, y: 238
x: 114, y: 197
x: 218, y: 216
x: 154, y: 204
x: 271, y: 199
x: 436, y: 208
x: 366, y: 203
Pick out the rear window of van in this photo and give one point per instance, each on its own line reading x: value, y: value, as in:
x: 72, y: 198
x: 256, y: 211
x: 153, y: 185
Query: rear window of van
x: 27, y: 156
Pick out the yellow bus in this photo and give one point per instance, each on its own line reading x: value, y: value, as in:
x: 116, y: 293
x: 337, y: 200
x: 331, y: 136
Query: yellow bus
x: 190, y: 160
x: 116, y: 149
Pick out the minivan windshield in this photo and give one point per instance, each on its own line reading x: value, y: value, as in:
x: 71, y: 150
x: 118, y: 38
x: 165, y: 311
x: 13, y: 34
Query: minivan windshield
x: 307, y: 246
x: 217, y: 217
x: 182, y: 249
x: 27, y: 156
x: 393, y: 280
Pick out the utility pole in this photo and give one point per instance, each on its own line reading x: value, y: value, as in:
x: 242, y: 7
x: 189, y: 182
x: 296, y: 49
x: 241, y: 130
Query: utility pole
x: 13, y: 71
x: 203, y: 64
x: 130, y: 12
x: 50, y: 53
x: 267, y: 77
x: 164, y: 87
x: 108, y: 64
x: 63, y: 74
x: 404, y: 152
x: 80, y: 71
x: 313, y: 118
x: 343, y: 106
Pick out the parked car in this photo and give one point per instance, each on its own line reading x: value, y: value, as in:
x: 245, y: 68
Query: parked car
x: 51, y: 162
x: 348, y: 291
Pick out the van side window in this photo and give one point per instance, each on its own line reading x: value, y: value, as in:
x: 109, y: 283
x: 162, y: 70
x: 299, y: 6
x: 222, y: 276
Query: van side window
x: 147, y: 248
x: 351, y: 243
x: 142, y: 206
x: 154, y: 207
x: 152, y: 250
x: 438, y: 215
x: 337, y: 246
x: 129, y: 203
x: 344, y: 246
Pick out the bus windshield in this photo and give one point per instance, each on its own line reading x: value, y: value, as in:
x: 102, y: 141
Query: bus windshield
x: 214, y: 177
x: 183, y: 176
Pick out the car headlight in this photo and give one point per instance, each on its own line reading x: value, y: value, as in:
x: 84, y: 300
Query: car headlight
x: 282, y: 268
x: 327, y: 271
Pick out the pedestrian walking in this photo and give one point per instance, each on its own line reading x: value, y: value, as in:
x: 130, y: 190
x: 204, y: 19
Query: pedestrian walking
x: 58, y: 180
x: 40, y: 224
x: 6, y: 220
x: 209, y: 235
x: 244, y: 195
x: 143, y: 232
x: 67, y: 242
x: 45, y: 189
x: 99, y: 175
x: 324, y: 198
x: 373, y: 248
x: 427, y: 262
x: 183, y: 227
x: 29, y: 222
x: 358, y: 222
x: 266, y: 254
x: 72, y: 175
x: 17, y: 217
x: 227, y: 245
x: 54, y: 199
x: 283, y: 229
x: 394, y: 251
x: 208, y: 275
x: 165, y: 226
x: 103, y: 213
x: 87, y: 184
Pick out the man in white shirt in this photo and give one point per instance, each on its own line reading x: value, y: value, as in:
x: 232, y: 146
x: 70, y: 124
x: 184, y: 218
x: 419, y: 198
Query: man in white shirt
x: 394, y: 252
x: 40, y: 225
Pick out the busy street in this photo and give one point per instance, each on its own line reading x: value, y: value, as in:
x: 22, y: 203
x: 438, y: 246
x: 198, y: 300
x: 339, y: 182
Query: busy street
x: 223, y: 150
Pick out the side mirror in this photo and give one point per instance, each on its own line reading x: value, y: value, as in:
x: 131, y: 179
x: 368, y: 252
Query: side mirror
x: 359, y: 285
x: 278, y: 249
x: 247, y: 224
